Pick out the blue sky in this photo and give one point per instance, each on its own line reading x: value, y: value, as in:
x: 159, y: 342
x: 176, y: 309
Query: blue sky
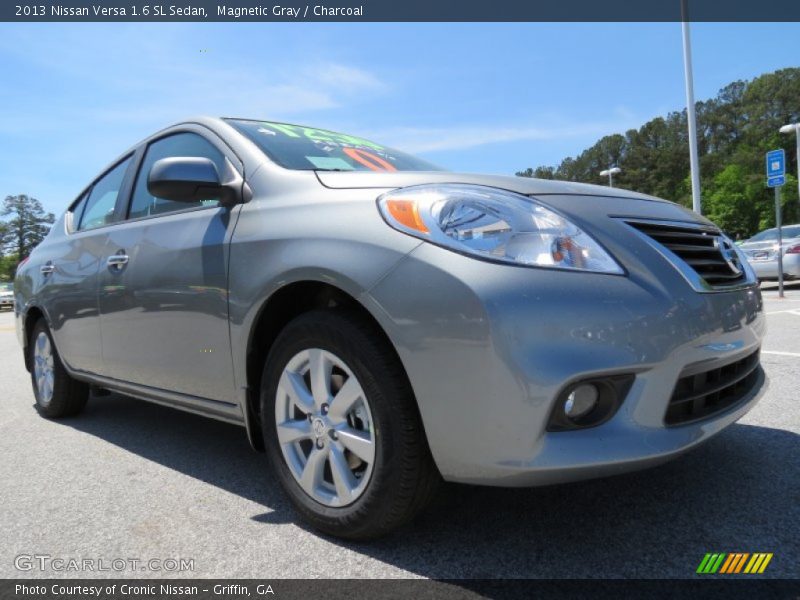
x: 471, y: 97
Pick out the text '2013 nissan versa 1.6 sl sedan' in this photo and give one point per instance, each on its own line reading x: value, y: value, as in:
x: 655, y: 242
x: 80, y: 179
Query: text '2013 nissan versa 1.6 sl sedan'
x: 378, y: 324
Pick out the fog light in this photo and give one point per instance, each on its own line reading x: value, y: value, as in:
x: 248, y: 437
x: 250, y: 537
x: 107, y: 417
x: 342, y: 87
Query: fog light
x: 581, y: 401
x: 590, y: 402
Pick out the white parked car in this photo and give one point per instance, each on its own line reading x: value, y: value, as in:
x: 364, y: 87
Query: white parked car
x: 761, y: 251
x: 6, y: 295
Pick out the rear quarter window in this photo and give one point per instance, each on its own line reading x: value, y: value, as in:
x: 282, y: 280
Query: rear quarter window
x: 76, y: 212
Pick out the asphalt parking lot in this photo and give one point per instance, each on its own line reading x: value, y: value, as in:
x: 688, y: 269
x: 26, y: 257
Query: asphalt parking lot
x: 128, y: 479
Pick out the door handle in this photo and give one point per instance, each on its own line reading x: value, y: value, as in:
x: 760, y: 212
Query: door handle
x: 47, y: 269
x: 117, y: 260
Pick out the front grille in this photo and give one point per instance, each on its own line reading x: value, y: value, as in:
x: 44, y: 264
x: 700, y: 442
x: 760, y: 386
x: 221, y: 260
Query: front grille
x: 699, y: 247
x: 699, y: 395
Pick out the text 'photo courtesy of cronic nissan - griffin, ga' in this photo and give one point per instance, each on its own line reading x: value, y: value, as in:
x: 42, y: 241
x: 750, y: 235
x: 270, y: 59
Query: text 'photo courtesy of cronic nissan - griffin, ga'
x: 379, y: 325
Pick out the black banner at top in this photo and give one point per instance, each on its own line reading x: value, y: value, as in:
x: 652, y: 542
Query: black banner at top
x: 397, y: 10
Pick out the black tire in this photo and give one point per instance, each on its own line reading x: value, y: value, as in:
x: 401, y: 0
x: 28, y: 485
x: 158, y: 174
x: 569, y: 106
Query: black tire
x: 69, y: 396
x: 404, y: 477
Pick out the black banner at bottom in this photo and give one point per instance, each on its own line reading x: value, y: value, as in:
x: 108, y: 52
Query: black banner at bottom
x: 366, y: 589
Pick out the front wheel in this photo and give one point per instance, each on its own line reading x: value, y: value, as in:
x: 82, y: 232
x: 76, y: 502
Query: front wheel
x: 342, y: 429
x: 57, y: 394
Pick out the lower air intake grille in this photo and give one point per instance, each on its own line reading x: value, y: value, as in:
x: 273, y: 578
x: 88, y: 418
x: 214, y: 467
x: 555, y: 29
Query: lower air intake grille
x: 703, y: 248
x: 700, y: 395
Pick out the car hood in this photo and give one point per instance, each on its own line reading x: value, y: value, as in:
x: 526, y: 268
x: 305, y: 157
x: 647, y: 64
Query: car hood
x: 520, y: 185
x: 591, y: 202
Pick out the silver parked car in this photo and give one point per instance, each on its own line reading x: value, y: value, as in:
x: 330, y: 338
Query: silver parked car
x: 6, y: 295
x: 761, y: 251
x: 377, y: 324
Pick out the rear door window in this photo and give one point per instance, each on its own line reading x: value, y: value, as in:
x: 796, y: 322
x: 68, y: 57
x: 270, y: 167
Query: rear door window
x: 99, y: 208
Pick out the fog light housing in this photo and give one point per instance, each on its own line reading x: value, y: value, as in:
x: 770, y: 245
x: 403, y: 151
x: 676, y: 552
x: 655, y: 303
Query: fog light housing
x: 589, y: 403
x: 581, y: 400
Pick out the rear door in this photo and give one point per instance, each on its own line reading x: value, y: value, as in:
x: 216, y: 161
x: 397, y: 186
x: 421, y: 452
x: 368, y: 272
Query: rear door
x: 163, y: 294
x: 71, y: 265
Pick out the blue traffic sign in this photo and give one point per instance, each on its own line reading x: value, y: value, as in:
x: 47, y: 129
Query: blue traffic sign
x: 776, y: 168
x: 776, y: 181
x: 776, y: 163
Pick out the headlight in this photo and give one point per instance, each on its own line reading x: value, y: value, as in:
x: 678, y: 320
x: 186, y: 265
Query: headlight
x: 494, y: 224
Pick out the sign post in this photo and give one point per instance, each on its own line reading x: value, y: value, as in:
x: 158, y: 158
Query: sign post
x: 776, y: 177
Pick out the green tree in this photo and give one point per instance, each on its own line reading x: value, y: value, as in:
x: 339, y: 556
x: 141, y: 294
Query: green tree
x: 729, y: 202
x: 26, y: 224
x: 538, y: 173
x: 734, y: 130
x: 8, y: 266
x: 6, y: 270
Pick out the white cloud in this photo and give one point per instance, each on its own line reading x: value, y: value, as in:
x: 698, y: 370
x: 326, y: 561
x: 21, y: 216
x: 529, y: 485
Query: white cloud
x: 469, y: 135
x: 151, y: 76
x: 344, y: 78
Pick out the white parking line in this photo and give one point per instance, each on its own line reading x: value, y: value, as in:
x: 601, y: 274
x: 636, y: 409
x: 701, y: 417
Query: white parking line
x: 777, y: 353
x: 791, y: 311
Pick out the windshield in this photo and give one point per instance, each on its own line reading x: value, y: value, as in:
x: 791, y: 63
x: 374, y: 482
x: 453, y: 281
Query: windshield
x: 771, y: 235
x: 6, y: 287
x: 307, y: 148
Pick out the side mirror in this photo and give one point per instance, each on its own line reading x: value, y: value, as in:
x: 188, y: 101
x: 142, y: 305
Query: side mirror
x: 185, y: 179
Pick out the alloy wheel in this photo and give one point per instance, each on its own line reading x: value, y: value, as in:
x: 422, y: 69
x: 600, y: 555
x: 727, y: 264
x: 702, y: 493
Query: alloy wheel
x: 43, y: 368
x: 325, y: 427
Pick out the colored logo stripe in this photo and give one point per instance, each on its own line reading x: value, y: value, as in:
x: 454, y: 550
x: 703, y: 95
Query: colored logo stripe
x: 734, y: 562
x: 758, y: 563
x: 710, y: 563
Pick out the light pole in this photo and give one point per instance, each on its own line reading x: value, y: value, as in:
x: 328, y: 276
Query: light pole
x: 694, y: 162
x: 789, y: 129
x: 610, y: 173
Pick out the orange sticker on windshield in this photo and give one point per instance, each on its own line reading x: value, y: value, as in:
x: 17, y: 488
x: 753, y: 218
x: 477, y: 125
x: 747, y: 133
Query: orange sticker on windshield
x: 368, y: 159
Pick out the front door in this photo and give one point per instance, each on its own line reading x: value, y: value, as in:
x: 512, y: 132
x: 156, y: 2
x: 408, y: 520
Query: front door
x: 163, y: 292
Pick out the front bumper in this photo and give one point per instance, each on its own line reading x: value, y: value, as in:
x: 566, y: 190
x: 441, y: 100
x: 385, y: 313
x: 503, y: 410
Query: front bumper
x: 488, y: 348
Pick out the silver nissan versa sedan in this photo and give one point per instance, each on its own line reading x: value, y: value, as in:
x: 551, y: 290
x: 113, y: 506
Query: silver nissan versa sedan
x: 378, y: 324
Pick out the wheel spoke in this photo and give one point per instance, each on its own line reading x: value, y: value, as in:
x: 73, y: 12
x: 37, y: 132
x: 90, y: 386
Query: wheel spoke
x: 294, y: 431
x: 293, y: 385
x: 358, y: 442
x: 342, y: 477
x: 344, y: 400
x: 320, y: 368
x: 312, y: 472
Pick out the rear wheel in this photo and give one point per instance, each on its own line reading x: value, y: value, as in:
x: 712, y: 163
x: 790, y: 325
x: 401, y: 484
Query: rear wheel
x: 341, y: 427
x: 57, y: 394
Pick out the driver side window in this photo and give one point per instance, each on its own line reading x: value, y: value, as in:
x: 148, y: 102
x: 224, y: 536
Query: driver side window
x: 144, y: 204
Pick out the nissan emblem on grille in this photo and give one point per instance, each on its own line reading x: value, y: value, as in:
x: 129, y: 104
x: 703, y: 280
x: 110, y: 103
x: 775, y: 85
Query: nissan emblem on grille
x: 726, y: 249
